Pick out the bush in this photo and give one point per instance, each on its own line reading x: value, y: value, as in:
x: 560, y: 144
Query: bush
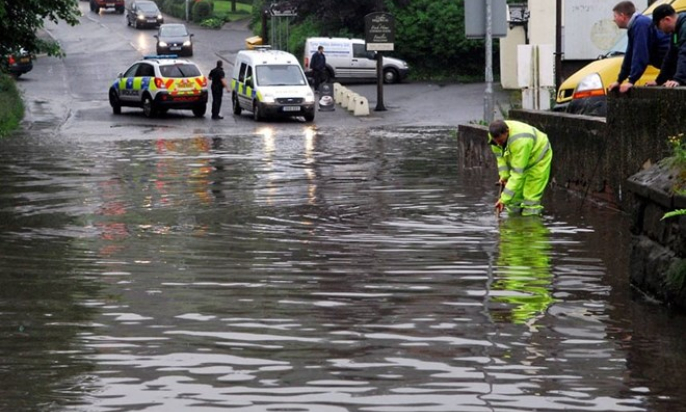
x: 212, y: 23
x: 202, y: 10
x: 11, y: 105
x: 176, y: 8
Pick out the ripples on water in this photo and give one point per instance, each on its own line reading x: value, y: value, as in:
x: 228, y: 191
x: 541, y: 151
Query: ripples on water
x: 297, y: 271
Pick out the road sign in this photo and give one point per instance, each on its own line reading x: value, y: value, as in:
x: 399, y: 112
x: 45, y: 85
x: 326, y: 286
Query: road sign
x: 379, y: 31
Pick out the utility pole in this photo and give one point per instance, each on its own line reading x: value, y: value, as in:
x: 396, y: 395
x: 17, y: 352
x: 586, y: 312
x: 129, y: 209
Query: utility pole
x: 488, y: 96
x: 558, y: 44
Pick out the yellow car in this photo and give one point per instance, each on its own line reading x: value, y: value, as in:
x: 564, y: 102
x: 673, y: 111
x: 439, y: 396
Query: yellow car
x: 584, y: 92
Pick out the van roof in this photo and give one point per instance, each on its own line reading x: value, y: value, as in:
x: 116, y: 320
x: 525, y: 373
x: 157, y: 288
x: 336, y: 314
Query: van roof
x: 267, y: 56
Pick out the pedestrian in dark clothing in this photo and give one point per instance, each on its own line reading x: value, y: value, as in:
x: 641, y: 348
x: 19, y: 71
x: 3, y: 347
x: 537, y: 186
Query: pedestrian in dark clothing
x: 219, y: 83
x: 673, y: 71
x: 318, y: 66
x: 647, y: 45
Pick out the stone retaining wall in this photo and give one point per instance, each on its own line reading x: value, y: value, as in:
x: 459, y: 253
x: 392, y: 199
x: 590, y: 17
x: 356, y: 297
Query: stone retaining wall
x: 658, y: 247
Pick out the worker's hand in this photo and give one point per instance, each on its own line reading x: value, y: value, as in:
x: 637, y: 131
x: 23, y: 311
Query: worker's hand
x: 651, y: 83
x: 672, y: 83
x: 499, y: 206
x: 503, y: 182
x: 612, y: 86
x: 625, y: 87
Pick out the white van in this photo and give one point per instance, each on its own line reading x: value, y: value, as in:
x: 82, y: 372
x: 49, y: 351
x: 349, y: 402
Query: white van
x: 270, y: 83
x: 348, y: 59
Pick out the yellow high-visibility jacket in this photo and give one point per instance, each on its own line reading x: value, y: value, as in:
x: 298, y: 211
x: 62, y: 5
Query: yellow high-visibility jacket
x: 525, y: 148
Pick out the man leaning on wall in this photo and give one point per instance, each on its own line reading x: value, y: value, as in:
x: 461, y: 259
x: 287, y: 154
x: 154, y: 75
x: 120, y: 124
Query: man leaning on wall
x: 647, y: 45
x: 673, y: 71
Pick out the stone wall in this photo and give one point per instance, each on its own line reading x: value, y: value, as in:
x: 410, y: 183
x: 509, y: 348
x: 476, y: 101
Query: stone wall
x: 658, y: 247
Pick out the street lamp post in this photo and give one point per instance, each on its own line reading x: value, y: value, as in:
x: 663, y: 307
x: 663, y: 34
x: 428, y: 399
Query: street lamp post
x: 488, y: 96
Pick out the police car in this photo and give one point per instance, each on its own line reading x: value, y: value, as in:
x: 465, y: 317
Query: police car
x: 160, y: 83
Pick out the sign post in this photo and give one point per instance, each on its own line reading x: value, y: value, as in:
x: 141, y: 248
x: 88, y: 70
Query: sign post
x: 486, y: 19
x: 379, y: 29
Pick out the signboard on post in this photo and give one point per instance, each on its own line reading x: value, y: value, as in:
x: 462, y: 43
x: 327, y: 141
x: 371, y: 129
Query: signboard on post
x: 475, y: 19
x: 379, y: 31
x: 379, y: 34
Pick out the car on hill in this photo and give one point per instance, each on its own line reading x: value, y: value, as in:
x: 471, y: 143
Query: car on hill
x: 142, y: 13
x: 116, y: 5
x: 174, y: 38
x: 160, y: 83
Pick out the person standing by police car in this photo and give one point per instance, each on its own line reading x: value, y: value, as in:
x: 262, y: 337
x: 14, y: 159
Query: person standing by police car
x: 219, y: 83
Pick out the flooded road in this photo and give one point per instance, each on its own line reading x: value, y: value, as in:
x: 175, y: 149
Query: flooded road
x: 300, y: 270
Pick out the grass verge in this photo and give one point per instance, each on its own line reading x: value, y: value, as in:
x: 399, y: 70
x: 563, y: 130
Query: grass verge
x: 11, y: 105
x: 222, y: 11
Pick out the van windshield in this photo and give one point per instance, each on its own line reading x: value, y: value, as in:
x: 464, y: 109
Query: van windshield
x: 280, y: 75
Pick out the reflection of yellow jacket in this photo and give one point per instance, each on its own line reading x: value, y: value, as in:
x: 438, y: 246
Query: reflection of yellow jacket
x: 523, y: 276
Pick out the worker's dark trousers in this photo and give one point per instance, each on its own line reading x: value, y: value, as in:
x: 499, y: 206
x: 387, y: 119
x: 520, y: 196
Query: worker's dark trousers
x: 216, y: 101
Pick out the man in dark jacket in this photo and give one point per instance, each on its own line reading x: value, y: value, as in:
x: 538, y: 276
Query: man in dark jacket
x: 647, y: 45
x: 318, y: 66
x: 219, y: 83
x: 673, y: 71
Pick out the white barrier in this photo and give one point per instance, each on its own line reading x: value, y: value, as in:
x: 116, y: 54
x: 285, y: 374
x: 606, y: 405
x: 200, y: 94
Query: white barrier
x: 353, y: 102
x: 343, y: 100
x: 361, y: 106
x: 349, y: 99
x: 336, y: 89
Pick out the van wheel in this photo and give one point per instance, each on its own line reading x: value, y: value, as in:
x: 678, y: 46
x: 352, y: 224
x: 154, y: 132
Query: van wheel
x: 309, y: 117
x: 236, y: 105
x: 390, y: 76
x: 257, y: 114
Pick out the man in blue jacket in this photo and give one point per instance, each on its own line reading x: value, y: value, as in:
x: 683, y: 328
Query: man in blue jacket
x: 647, y: 45
x: 673, y: 71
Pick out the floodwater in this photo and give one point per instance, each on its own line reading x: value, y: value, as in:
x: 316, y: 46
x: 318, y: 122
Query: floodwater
x: 295, y: 270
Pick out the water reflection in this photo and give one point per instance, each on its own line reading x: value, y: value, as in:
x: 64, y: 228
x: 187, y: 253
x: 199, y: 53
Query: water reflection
x: 523, y: 276
x: 299, y: 270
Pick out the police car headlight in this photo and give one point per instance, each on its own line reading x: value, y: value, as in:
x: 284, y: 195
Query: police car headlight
x: 163, y: 44
x: 268, y: 98
x: 187, y: 43
x: 309, y: 98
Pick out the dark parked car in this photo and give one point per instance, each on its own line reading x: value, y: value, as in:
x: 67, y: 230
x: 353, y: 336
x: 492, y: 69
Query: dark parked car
x: 173, y: 38
x: 18, y: 63
x: 141, y: 13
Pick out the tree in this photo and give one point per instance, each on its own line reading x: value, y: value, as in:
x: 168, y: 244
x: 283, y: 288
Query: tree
x: 20, y: 21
